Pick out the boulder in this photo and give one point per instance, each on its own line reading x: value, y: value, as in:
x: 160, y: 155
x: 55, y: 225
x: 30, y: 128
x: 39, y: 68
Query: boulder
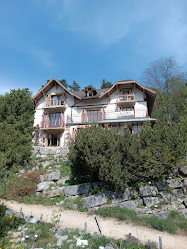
x: 97, y: 185
x: 53, y: 176
x: 161, y: 186
x: 183, y: 171
x: 174, y: 183
x: 185, y: 186
x: 44, y: 186
x: 183, y: 212
x: 77, y: 189
x: 185, y: 182
x: 81, y: 242
x: 53, y: 193
x: 177, y: 193
x: 146, y: 191
x: 63, y: 180
x: 185, y: 201
x: 61, y: 239
x: 150, y: 201
x: 131, y: 204
x: 42, y: 178
x: 96, y: 200
x: 31, y: 219
x: 125, y: 195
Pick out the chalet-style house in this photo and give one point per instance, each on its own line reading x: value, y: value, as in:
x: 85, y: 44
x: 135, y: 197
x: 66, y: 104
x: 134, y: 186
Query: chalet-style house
x: 61, y: 113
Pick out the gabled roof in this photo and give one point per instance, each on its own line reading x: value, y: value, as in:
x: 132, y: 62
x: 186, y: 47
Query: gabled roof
x: 48, y: 86
x: 100, y: 92
x: 124, y: 82
x: 149, y: 93
x: 82, y: 94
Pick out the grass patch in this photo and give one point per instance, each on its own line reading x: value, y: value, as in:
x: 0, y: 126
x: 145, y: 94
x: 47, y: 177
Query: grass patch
x: 65, y: 169
x: 73, y: 204
x: 174, y: 221
x: 40, y: 200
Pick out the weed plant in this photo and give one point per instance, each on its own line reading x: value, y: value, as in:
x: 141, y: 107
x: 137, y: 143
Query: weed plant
x: 172, y: 224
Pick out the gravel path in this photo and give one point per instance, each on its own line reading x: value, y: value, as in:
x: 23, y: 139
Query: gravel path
x: 110, y: 227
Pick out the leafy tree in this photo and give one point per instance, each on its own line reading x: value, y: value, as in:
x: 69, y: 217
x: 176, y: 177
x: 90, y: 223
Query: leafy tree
x: 16, y: 125
x: 74, y: 87
x: 106, y: 84
x: 95, y: 152
x: 164, y: 76
x: 64, y: 83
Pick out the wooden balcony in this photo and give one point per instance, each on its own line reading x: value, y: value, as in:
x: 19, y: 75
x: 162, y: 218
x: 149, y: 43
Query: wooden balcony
x: 107, y: 116
x: 56, y: 125
x: 126, y: 99
x: 55, y: 105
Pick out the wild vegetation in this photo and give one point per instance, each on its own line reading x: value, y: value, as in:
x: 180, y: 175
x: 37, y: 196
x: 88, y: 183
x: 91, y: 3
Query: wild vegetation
x: 18, y: 233
x: 126, y: 160
x: 16, y: 125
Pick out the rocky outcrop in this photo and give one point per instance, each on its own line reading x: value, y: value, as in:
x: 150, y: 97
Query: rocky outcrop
x: 183, y: 171
x: 96, y: 200
x: 125, y: 195
x: 162, y: 186
x: 53, y: 192
x: 53, y: 176
x: 131, y: 204
x: 174, y: 183
x: 151, y: 201
x: 146, y: 191
x: 81, y: 188
x: 44, y: 186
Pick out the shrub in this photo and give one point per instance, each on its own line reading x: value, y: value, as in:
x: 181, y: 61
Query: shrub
x: 96, y: 152
x: 119, y: 161
x: 22, y: 185
x: 8, y: 222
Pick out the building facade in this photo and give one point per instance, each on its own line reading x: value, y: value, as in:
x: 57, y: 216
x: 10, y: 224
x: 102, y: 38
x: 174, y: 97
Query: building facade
x: 59, y: 113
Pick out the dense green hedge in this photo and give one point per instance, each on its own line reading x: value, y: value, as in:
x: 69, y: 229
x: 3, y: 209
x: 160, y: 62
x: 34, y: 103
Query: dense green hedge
x: 125, y: 160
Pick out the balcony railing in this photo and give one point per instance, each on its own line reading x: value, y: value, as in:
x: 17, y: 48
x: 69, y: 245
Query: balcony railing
x: 52, y: 124
x: 110, y: 115
x: 55, y: 103
x: 126, y: 98
x: 120, y: 115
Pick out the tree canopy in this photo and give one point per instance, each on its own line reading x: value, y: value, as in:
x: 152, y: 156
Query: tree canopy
x: 16, y: 125
x: 106, y: 84
x: 165, y: 77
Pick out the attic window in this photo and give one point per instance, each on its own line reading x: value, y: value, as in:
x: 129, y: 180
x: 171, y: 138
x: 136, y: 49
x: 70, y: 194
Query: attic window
x: 90, y: 91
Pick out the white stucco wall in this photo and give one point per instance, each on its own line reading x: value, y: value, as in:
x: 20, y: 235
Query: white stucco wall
x: 75, y: 110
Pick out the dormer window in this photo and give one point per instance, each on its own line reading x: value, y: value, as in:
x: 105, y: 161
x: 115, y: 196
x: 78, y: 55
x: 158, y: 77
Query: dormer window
x: 90, y: 91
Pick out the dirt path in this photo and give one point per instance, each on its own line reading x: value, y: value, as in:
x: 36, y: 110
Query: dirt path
x: 109, y: 227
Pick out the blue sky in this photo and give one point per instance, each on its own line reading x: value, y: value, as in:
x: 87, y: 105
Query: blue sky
x: 87, y: 40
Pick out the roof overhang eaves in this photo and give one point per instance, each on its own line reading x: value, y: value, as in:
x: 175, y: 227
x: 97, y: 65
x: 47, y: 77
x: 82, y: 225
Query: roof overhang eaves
x: 148, y: 91
x: 39, y: 94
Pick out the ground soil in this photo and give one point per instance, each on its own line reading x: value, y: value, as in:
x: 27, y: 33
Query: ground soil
x: 109, y: 227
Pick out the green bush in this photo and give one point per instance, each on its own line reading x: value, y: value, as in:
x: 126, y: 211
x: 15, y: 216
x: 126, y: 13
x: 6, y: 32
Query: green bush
x: 126, y: 160
x: 9, y: 222
x: 96, y: 152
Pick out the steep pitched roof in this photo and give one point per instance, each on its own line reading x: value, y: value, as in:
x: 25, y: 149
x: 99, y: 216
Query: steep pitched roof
x: 100, y: 92
x: 82, y: 94
x: 149, y: 93
x: 48, y: 86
